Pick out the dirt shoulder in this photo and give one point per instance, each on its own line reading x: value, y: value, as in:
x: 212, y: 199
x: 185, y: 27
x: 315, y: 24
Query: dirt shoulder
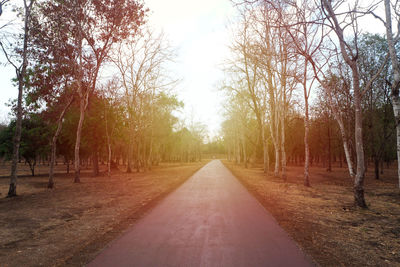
x: 323, y: 220
x: 71, y: 223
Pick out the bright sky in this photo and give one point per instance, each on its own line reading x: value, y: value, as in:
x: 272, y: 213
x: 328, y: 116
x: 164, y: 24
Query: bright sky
x: 198, y: 31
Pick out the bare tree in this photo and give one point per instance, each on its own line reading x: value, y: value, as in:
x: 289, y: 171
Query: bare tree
x: 238, y: 117
x: 141, y: 61
x: 350, y: 55
x: 274, y: 54
x: 306, y: 40
x: 245, y: 71
x: 111, y: 102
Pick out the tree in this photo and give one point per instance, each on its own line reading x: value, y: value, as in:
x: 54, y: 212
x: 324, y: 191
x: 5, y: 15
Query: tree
x: 244, y: 69
x: 93, y: 27
x: 393, y: 52
x: 236, y: 127
x: 113, y: 114
x: 379, y: 119
x: 350, y: 56
x: 141, y: 62
x: 52, y: 78
x: 34, y: 140
x: 20, y: 63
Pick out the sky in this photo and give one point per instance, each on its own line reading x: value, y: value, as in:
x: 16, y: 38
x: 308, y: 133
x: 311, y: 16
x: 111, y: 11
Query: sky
x: 197, y: 30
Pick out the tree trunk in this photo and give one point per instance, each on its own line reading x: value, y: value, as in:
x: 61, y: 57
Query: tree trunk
x: 78, y: 140
x: 329, y: 169
x: 150, y: 155
x: 109, y: 158
x: 32, y: 166
x: 283, y: 149
x: 95, y: 160
x: 54, y: 145
x: 130, y: 144
x: 20, y: 76
x: 129, y: 159
x: 351, y: 61
x: 276, y: 169
x: 345, y: 145
x: 306, y: 129
x: 306, y: 148
x: 244, y: 150
x: 238, y: 154
x: 396, y: 78
x: 265, y: 150
x: 396, y: 110
x: 16, y: 142
x: 275, y: 137
x: 376, y: 163
x: 137, y: 161
x: 359, y: 180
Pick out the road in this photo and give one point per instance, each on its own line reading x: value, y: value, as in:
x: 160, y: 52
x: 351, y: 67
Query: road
x: 211, y: 220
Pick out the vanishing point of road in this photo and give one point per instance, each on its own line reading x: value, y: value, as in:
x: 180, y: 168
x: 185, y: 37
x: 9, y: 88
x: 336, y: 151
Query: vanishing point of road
x: 210, y: 220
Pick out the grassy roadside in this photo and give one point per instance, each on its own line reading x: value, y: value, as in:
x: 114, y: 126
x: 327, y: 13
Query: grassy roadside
x: 70, y: 224
x: 323, y: 220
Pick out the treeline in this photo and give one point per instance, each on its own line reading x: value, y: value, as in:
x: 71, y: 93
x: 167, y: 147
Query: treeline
x: 305, y: 86
x: 158, y: 141
x: 326, y: 148
x: 93, y: 86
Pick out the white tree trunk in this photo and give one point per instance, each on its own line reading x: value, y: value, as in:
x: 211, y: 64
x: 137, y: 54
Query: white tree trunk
x: 274, y: 138
x: 346, y: 148
x: 396, y: 110
x: 396, y: 78
x: 77, y: 164
x: 265, y: 150
x: 351, y: 61
x: 283, y: 150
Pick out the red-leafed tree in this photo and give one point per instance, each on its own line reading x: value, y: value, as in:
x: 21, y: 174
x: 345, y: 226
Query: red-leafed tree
x: 91, y: 28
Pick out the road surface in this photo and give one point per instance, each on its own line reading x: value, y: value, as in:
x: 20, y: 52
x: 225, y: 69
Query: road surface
x: 211, y: 220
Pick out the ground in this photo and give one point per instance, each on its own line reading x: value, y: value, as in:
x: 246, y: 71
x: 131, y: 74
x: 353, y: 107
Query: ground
x: 67, y: 225
x: 323, y: 219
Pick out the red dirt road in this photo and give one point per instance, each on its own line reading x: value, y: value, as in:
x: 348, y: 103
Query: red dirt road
x: 211, y: 220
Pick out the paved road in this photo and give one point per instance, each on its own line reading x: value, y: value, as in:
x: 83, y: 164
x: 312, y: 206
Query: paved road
x: 211, y: 220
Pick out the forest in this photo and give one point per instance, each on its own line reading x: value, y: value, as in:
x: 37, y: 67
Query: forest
x: 94, y: 87
x: 98, y: 139
x: 305, y: 85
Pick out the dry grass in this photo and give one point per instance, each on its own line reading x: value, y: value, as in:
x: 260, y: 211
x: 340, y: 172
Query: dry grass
x: 69, y: 224
x: 323, y: 220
